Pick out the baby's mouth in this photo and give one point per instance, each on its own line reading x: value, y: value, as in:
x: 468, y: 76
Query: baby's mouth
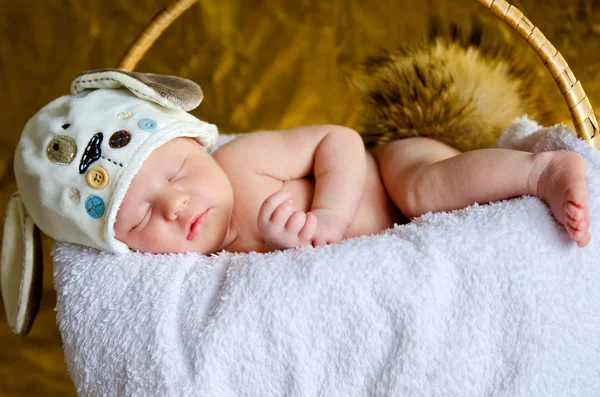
x: 196, y: 224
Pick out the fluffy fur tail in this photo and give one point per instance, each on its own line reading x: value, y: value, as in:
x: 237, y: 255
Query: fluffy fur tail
x: 451, y: 88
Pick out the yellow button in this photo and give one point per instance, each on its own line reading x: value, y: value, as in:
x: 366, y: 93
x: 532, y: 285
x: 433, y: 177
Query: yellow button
x: 97, y: 178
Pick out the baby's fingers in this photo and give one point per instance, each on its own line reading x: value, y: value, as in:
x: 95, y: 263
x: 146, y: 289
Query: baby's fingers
x: 269, y: 206
x: 309, y: 229
x: 295, y: 222
x: 282, y: 214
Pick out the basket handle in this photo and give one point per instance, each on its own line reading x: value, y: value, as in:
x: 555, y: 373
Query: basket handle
x: 579, y: 104
x: 153, y: 30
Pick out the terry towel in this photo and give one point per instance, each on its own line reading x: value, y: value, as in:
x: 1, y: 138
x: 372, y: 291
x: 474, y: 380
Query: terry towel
x: 491, y: 300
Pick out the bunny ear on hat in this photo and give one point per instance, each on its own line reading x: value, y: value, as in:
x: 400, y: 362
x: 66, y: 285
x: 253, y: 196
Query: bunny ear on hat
x: 169, y: 91
x: 21, y: 267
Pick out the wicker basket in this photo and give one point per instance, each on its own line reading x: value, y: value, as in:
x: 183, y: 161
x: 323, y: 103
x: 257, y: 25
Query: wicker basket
x: 579, y: 104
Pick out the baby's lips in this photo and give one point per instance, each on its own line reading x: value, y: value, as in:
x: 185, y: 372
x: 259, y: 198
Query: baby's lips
x: 196, y: 224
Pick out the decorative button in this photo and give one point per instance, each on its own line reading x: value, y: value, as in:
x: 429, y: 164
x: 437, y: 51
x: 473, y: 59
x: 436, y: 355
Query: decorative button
x: 147, y: 125
x: 97, y: 178
x: 123, y: 115
x: 75, y: 195
x: 61, y: 150
x: 119, y: 139
x: 94, y: 206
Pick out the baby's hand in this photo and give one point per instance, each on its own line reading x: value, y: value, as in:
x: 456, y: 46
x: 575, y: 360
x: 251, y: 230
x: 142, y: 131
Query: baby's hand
x: 282, y: 225
x: 331, y: 227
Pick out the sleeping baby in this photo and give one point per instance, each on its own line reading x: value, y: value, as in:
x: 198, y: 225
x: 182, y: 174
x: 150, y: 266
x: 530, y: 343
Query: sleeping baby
x: 120, y: 165
x: 317, y: 185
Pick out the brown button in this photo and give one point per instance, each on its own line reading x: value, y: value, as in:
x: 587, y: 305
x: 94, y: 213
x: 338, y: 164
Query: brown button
x: 97, y: 178
x: 119, y: 139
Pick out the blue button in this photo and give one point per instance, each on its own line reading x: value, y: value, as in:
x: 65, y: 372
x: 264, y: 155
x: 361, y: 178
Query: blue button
x: 94, y: 206
x: 147, y: 125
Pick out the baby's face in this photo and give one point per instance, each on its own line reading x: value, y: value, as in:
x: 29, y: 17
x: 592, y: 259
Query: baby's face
x: 180, y: 201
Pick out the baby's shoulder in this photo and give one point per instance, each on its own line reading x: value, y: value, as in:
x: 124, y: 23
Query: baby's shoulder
x: 245, y: 150
x: 240, y: 161
x: 241, y: 158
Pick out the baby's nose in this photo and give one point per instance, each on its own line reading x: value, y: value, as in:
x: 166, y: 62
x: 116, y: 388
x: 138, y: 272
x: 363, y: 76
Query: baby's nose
x: 175, y: 203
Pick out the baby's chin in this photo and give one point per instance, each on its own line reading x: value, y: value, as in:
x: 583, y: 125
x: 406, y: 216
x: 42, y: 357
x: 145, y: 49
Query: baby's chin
x: 213, y: 233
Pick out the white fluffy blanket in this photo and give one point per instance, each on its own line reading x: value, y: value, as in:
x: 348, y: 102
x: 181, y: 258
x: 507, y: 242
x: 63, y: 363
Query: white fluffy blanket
x: 492, y: 300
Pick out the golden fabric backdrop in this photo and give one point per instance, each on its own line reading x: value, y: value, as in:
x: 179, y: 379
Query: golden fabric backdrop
x: 261, y: 64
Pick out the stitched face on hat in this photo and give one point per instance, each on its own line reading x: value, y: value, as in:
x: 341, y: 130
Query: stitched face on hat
x: 79, y: 154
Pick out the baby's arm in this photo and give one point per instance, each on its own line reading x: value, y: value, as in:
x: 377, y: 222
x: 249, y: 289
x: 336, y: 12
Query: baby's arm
x: 335, y: 155
x: 340, y: 171
x: 424, y: 175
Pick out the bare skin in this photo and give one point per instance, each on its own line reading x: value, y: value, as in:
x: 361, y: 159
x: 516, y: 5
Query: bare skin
x: 562, y: 186
x: 445, y: 179
x: 317, y: 185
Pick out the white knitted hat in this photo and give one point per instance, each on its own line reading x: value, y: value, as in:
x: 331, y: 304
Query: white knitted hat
x: 75, y: 161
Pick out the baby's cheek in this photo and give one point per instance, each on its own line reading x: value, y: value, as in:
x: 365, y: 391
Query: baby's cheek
x: 160, y: 239
x: 121, y: 232
x: 152, y: 239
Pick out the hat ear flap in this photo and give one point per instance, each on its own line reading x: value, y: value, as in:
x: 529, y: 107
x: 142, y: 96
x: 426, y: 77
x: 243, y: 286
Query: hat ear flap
x: 169, y: 91
x: 21, y: 267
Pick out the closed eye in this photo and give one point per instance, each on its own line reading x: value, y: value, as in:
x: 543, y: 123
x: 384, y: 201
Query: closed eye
x: 144, y: 221
x: 178, y: 171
